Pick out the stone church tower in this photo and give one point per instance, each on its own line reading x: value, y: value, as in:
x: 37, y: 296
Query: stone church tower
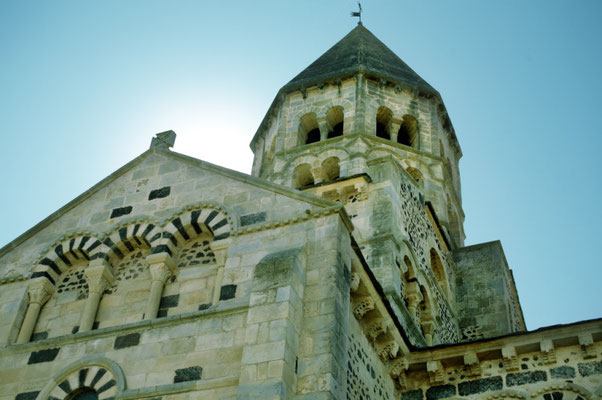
x: 337, y: 270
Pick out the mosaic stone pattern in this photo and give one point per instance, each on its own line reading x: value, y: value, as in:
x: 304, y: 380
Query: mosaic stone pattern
x: 133, y: 266
x: 74, y: 280
x: 196, y: 252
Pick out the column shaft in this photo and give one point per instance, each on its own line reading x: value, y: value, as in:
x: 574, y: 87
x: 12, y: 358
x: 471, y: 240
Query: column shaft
x: 154, y: 300
x: 218, y: 284
x: 89, y: 313
x: 29, y: 323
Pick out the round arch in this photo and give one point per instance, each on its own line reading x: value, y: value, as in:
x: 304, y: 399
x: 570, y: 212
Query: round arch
x: 98, y: 373
x: 65, y: 253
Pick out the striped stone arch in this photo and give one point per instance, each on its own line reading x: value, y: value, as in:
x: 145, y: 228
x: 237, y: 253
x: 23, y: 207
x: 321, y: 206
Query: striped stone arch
x: 94, y: 373
x: 562, y: 391
x: 144, y: 234
x: 209, y: 220
x: 64, y: 254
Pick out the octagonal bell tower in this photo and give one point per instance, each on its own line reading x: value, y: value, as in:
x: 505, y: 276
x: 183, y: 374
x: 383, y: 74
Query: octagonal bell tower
x: 359, y: 126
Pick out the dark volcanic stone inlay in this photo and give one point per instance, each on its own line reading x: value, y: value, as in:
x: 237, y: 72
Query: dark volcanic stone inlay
x: 118, y: 212
x: 132, y: 339
x: 523, y: 378
x: 227, y: 292
x: 41, y: 356
x: 188, y: 374
x: 250, y: 219
x: 440, y: 392
x: 159, y: 193
x: 480, y: 385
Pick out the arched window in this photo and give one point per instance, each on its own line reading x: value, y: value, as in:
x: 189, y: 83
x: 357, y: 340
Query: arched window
x: 335, y: 118
x: 408, y: 131
x: 309, y: 131
x: 330, y: 169
x: 84, y: 393
x: 410, y: 273
x: 383, y: 122
x: 302, y: 176
x: 437, y: 267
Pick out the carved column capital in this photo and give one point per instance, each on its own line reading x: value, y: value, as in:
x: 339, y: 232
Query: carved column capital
x: 220, y: 250
x: 39, y: 291
x: 161, y: 266
x: 99, y: 276
x: 160, y: 272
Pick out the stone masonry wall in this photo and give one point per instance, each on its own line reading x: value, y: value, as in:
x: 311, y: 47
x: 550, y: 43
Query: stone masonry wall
x: 367, y: 377
x: 485, y: 298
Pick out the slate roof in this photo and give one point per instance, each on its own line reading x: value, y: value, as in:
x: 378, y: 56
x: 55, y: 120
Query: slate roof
x: 359, y: 51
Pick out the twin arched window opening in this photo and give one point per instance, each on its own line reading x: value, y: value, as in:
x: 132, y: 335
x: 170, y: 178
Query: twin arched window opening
x: 407, y: 134
x: 309, y: 128
x: 303, y: 175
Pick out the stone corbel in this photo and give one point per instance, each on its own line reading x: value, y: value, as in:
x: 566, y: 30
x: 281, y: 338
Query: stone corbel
x: 436, y: 372
x: 548, y: 352
x: 362, y: 305
x: 376, y: 327
x: 510, y: 358
x: 398, y: 366
x: 387, y: 350
x: 586, y: 341
x: 39, y: 292
x: 402, y: 380
x: 428, y: 329
x: 99, y: 277
x: 473, y: 365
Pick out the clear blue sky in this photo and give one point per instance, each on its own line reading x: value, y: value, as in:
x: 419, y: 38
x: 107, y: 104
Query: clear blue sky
x: 84, y: 86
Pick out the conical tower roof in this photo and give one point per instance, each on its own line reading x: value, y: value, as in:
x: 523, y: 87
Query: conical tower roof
x: 359, y: 51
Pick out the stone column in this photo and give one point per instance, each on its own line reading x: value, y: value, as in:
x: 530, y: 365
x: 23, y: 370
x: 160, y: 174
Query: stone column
x: 99, y: 278
x: 39, y: 292
x: 324, y: 128
x: 394, y: 129
x: 413, y: 297
x: 220, y: 257
x: 428, y: 328
x: 161, y: 268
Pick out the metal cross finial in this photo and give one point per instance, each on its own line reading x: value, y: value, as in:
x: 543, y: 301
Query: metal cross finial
x: 358, y: 13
